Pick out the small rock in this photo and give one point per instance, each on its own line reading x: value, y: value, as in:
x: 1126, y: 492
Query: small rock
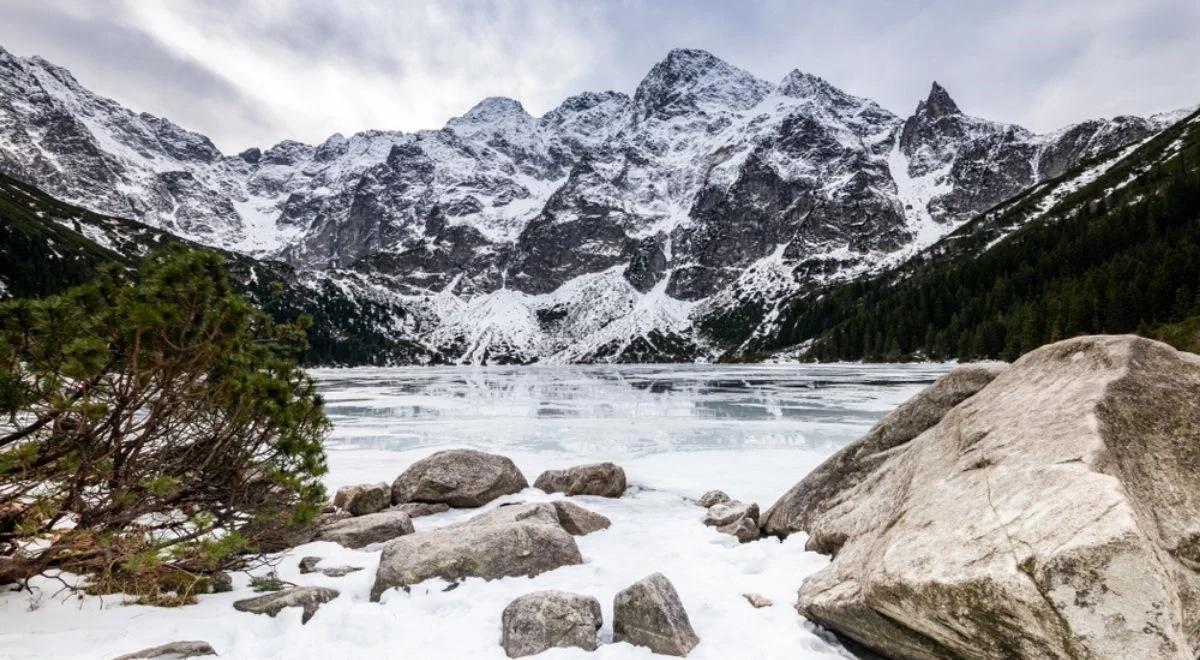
x: 362, y: 531
x: 713, y: 497
x: 309, y: 564
x: 486, y: 551
x: 734, y: 518
x: 461, y: 478
x: 220, y: 582
x: 758, y: 601
x: 418, y: 509
x: 549, y: 619
x: 309, y: 598
x: 172, y: 650
x: 340, y: 571
x: 579, y: 521
x: 362, y: 499
x: 603, y: 479
x: 649, y: 614
x: 331, y: 517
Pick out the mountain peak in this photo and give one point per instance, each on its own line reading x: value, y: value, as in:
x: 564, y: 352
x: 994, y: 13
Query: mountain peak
x: 495, y: 108
x: 688, y: 77
x: 799, y: 84
x: 938, y: 104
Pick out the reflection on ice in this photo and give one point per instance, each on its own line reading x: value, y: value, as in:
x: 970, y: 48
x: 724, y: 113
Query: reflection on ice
x: 616, y: 410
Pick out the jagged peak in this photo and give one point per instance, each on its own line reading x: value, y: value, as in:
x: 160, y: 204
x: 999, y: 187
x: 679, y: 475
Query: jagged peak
x: 938, y: 104
x: 799, y: 84
x: 687, y: 73
x: 492, y: 109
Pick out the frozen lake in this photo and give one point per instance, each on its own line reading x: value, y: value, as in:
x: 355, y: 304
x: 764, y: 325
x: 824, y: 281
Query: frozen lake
x: 678, y: 431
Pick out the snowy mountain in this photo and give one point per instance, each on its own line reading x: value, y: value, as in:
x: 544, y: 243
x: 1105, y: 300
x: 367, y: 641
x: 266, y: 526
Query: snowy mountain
x: 612, y: 227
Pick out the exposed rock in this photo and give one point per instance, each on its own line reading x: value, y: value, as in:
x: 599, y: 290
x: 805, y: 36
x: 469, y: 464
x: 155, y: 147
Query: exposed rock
x: 309, y: 564
x: 486, y: 551
x: 362, y: 499
x: 794, y: 511
x: 330, y: 517
x: 340, y: 571
x: 713, y: 497
x: 220, y: 582
x: 734, y: 518
x: 649, y: 613
x: 1055, y: 513
x: 362, y: 531
x: 603, y: 479
x: 458, y: 477
x: 171, y: 651
x: 549, y: 619
x: 579, y: 521
x: 308, y: 598
x: 758, y: 601
x: 418, y: 509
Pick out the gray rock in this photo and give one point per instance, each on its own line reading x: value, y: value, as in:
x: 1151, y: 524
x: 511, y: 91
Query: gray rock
x: 549, y: 619
x: 758, y: 601
x: 796, y: 509
x: 171, y: 651
x: 458, y: 477
x: 486, y: 551
x: 362, y: 531
x: 603, y: 479
x: 1055, y: 513
x: 330, y: 517
x: 340, y: 571
x: 220, y: 582
x: 712, y: 497
x: 649, y: 614
x: 308, y: 598
x: 734, y: 518
x: 362, y: 499
x: 579, y: 521
x: 418, y: 509
x: 309, y: 564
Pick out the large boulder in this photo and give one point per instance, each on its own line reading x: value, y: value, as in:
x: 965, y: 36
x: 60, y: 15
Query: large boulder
x: 579, y: 521
x: 488, y: 551
x: 549, y: 619
x: 461, y: 478
x: 649, y: 613
x: 362, y: 531
x: 362, y: 499
x: 171, y: 651
x: 307, y: 598
x: 1054, y: 513
x: 603, y: 479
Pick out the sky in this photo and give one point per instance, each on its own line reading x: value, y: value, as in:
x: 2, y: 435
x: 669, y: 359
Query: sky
x: 254, y: 72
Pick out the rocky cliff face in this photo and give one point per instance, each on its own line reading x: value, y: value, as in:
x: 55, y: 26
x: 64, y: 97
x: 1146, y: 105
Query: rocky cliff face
x: 680, y: 197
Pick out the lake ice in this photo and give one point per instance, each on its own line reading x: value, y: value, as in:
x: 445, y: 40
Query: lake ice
x: 678, y: 430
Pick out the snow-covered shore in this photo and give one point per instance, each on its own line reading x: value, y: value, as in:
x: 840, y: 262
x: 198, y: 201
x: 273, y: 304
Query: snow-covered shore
x: 655, y: 527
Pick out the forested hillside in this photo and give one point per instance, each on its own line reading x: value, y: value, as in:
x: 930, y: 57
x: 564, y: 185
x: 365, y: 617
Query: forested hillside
x: 1119, y: 254
x: 47, y: 246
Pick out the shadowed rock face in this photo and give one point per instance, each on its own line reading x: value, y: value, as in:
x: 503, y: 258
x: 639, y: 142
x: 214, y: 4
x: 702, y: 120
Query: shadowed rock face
x: 649, y: 613
x: 458, y: 477
x: 362, y: 499
x: 1054, y: 513
x: 486, y: 551
x: 549, y: 619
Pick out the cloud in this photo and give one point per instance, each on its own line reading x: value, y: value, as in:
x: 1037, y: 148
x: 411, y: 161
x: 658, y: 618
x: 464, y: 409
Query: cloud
x: 253, y: 73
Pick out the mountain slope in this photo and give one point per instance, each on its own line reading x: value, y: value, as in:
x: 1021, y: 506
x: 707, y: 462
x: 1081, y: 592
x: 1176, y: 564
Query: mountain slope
x: 1112, y: 246
x: 708, y: 191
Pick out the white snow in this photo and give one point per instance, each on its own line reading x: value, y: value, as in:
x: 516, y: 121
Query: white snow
x: 678, y: 431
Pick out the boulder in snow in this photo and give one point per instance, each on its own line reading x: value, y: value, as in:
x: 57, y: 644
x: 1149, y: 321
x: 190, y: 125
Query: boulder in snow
x: 1053, y: 513
x: 362, y: 499
x: 713, y: 497
x: 171, y: 651
x: 649, y: 613
x: 549, y: 619
x: 362, y: 531
x: 308, y: 598
x: 460, y: 478
x: 734, y: 518
x: 603, y: 479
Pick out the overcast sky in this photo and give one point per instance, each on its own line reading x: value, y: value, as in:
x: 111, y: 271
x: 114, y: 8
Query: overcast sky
x: 250, y: 73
